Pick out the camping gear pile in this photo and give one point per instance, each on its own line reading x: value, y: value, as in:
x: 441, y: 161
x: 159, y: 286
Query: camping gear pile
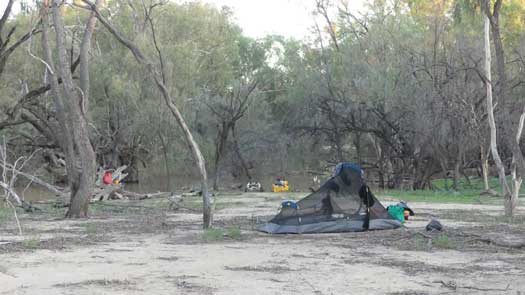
x: 280, y: 186
x: 253, y: 186
x: 344, y: 203
x: 434, y: 225
x: 400, y: 211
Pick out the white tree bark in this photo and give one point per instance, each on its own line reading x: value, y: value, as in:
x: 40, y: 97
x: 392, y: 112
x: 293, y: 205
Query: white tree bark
x: 490, y: 112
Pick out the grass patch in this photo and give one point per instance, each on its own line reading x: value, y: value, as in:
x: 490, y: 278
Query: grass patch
x: 213, y: 234
x: 218, y: 234
x: 480, y: 216
x: 467, y: 193
x: 429, y: 196
x: 224, y: 205
x: 476, y: 184
x: 234, y: 232
x: 518, y: 219
x: 31, y: 243
x: 443, y: 241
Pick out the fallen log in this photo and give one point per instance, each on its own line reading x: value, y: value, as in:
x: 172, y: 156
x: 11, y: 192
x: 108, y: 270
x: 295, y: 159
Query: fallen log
x: 501, y: 242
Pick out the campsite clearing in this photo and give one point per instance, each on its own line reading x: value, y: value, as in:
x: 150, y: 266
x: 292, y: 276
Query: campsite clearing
x: 143, y: 247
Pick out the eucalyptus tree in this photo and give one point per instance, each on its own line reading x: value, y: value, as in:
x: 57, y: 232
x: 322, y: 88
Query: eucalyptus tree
x: 229, y: 101
x: 512, y: 131
x: 70, y: 101
x: 158, y: 76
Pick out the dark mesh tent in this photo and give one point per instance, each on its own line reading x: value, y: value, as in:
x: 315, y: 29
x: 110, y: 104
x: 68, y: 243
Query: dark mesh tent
x: 343, y: 203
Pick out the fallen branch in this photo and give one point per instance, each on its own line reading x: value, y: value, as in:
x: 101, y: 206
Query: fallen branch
x: 496, y: 241
x: 454, y: 286
x: 501, y: 243
x: 54, y: 189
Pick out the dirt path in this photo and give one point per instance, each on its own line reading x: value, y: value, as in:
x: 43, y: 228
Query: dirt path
x: 166, y: 254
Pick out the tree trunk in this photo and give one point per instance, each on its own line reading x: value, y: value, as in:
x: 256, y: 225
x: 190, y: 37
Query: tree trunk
x: 457, y: 168
x: 166, y: 162
x: 74, y: 139
x: 82, y: 185
x: 222, y: 137
x: 490, y: 114
x: 484, y: 167
x: 194, y: 147
x: 357, y: 145
x: 239, y: 154
x: 518, y: 162
x: 443, y: 165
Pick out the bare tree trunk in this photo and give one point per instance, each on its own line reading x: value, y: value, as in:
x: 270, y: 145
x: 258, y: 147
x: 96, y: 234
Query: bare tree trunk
x: 194, y: 147
x: 222, y: 137
x: 357, y: 145
x: 239, y: 154
x: 442, y: 163
x: 512, y: 202
x: 484, y: 167
x: 490, y: 113
x: 518, y: 161
x: 457, y: 167
x: 85, y: 46
x: 166, y: 162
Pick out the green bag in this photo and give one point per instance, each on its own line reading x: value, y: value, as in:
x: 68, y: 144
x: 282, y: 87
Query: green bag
x: 397, y: 212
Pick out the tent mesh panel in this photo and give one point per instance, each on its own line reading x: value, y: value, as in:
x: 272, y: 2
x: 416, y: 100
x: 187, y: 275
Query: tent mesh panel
x: 344, y: 196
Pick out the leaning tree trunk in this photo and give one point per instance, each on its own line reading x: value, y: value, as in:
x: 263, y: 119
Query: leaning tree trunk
x: 194, y: 147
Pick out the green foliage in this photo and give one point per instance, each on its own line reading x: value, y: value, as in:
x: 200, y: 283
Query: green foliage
x: 234, y: 232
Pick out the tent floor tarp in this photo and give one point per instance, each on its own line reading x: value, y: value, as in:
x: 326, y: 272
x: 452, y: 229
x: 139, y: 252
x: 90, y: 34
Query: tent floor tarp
x: 340, y: 225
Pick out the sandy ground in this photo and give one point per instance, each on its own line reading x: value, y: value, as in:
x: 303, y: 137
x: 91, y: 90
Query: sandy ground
x: 161, y: 251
